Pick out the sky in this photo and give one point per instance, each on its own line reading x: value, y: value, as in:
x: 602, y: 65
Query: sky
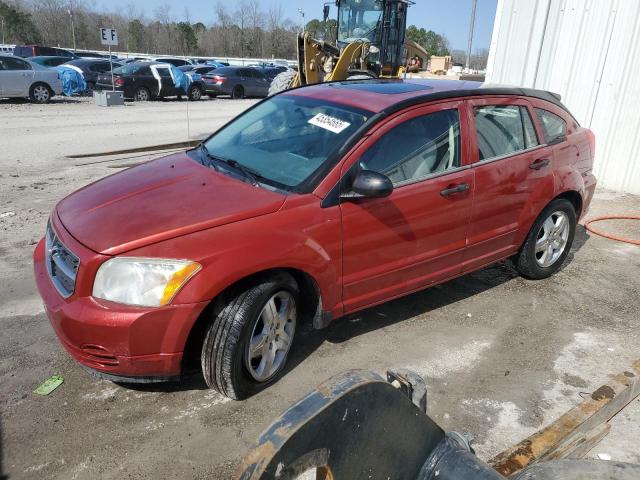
x: 450, y: 17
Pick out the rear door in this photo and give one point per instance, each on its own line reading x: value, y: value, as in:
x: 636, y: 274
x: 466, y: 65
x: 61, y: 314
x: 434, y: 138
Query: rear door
x: 168, y: 87
x: 416, y: 236
x: 513, y: 178
x: 263, y: 83
x: 247, y: 81
x: 17, y: 77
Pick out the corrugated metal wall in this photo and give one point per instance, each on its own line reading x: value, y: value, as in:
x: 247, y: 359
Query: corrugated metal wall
x: 589, y: 52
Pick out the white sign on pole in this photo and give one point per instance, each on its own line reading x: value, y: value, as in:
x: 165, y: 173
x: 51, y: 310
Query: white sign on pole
x: 108, y: 36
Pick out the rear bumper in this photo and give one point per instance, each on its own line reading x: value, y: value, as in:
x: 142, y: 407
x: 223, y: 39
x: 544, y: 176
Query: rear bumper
x: 590, y: 183
x: 114, y: 339
x: 216, y: 89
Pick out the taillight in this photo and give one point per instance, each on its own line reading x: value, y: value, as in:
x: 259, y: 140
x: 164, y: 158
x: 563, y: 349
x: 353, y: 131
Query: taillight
x: 592, y: 143
x: 119, y: 82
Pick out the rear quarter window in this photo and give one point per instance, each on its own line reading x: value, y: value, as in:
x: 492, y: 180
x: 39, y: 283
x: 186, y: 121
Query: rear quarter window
x: 553, y: 126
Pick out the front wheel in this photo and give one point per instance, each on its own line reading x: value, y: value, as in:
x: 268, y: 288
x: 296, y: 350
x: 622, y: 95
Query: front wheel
x: 548, y: 242
x: 248, y: 341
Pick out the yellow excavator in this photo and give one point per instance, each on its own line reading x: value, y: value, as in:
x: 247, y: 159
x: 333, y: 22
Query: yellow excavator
x: 370, y: 44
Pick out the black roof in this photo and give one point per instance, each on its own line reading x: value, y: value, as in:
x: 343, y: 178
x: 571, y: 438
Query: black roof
x: 424, y: 90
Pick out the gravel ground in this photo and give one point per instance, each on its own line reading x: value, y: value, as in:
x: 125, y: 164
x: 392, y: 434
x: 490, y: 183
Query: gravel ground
x: 502, y: 355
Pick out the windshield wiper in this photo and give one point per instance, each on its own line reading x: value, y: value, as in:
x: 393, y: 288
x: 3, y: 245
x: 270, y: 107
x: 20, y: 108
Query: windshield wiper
x: 247, y: 172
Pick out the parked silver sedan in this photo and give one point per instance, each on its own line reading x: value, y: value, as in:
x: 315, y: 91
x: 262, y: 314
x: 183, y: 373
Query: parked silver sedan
x: 21, y: 78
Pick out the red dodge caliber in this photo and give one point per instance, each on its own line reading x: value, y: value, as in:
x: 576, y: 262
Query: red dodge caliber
x: 313, y: 204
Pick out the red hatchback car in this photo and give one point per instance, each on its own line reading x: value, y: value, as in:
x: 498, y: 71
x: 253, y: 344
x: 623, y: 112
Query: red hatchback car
x: 312, y: 204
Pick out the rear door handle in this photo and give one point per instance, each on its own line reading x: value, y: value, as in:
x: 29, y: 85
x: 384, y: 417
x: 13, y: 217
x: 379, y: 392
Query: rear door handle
x: 539, y: 163
x: 452, y: 190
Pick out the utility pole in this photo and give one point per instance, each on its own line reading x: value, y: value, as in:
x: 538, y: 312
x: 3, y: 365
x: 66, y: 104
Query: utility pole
x: 2, y: 23
x: 73, y: 29
x: 301, y: 12
x: 471, y: 25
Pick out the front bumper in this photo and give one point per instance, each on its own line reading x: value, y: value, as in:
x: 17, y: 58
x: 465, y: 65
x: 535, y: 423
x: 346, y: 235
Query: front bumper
x: 113, y: 339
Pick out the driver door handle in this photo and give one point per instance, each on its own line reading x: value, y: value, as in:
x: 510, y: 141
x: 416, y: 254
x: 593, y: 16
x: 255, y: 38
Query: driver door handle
x: 453, y: 189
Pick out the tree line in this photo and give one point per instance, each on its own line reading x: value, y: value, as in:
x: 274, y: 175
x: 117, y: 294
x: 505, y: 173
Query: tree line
x: 246, y: 30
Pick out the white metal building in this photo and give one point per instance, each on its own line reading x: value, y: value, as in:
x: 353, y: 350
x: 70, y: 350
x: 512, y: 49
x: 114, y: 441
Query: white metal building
x: 588, y: 51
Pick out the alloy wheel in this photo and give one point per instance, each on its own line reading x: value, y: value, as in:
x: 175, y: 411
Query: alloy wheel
x: 41, y: 93
x: 142, y: 95
x: 271, y: 337
x: 552, y: 239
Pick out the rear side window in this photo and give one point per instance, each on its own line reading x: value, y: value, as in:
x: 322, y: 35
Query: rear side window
x: 417, y: 148
x: 501, y: 131
x: 553, y: 126
x: 164, y: 72
x: 14, y: 64
x: 102, y: 67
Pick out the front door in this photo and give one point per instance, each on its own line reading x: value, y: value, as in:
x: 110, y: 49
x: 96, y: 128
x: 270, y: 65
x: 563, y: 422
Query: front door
x: 416, y: 236
x: 513, y: 174
x: 16, y: 76
x: 247, y: 81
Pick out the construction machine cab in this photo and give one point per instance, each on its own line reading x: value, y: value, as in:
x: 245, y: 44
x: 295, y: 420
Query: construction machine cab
x: 370, y: 44
x: 379, y: 23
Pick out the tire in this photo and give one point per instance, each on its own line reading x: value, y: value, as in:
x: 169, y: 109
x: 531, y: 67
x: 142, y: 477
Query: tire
x: 195, y: 93
x: 237, y: 93
x: 227, y: 364
x: 548, y: 242
x: 282, y: 82
x: 40, y: 93
x: 142, y: 94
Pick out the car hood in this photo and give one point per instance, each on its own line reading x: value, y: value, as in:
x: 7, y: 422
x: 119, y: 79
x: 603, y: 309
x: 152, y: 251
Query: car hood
x: 159, y: 200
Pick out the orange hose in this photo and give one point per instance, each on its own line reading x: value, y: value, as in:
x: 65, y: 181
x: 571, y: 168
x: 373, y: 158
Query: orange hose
x: 588, y: 226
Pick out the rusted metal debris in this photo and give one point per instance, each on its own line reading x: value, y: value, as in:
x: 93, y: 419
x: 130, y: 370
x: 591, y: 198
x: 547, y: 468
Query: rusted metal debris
x: 568, y: 434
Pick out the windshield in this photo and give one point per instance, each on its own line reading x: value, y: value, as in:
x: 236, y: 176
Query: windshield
x: 285, y: 139
x: 359, y: 20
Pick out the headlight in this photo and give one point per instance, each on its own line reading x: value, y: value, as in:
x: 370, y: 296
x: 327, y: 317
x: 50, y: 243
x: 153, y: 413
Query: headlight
x: 147, y: 282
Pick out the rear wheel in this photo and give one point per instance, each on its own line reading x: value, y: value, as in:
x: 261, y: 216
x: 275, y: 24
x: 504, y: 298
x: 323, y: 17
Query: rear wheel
x: 237, y: 93
x: 282, y: 82
x: 548, y: 242
x: 40, y: 93
x: 248, y: 341
x: 195, y: 93
x: 142, y: 94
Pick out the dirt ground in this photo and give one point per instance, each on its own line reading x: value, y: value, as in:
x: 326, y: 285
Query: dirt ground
x: 502, y: 355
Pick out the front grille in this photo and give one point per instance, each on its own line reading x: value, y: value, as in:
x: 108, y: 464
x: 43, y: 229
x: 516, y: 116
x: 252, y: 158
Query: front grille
x: 62, y: 264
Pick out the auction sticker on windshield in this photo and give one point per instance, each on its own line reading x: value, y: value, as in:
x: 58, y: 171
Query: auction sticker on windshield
x: 328, y: 122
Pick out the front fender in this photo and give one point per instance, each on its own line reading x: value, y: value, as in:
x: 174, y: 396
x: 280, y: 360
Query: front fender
x: 305, y: 238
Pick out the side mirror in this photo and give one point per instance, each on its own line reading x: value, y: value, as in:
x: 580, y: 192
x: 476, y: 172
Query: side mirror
x: 370, y: 184
x: 325, y: 13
